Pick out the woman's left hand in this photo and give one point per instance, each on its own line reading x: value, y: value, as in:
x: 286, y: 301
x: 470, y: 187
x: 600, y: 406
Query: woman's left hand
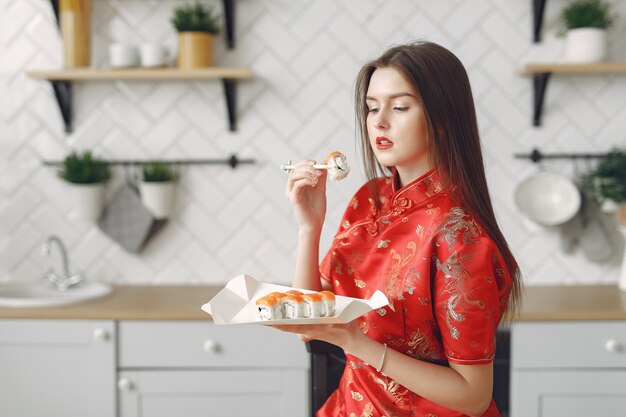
x: 343, y: 335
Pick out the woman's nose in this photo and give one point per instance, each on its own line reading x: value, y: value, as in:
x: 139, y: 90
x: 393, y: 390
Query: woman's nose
x: 381, y: 121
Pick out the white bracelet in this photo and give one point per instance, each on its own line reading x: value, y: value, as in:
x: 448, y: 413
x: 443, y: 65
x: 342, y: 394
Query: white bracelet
x: 382, y: 360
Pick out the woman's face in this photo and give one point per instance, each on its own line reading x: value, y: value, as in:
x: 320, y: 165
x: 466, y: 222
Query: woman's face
x: 396, y: 124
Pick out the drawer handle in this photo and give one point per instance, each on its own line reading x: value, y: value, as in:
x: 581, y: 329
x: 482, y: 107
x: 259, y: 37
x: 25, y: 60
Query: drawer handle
x: 211, y: 346
x: 124, y: 384
x: 613, y: 346
x: 100, y: 334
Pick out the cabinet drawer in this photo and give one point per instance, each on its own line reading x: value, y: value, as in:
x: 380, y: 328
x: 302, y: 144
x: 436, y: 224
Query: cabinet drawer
x: 593, y: 344
x: 203, y: 344
x: 216, y: 392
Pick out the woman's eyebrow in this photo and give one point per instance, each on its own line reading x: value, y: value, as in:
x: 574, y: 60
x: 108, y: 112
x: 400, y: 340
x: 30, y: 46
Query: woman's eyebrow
x: 396, y: 95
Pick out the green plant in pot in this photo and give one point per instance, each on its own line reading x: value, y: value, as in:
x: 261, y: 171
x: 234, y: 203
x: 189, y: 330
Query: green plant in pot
x: 157, y: 188
x: 607, y: 183
x: 586, y: 22
x: 86, y: 175
x: 196, y: 25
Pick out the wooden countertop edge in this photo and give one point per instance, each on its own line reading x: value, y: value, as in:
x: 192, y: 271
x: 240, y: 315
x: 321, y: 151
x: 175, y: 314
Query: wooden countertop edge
x: 184, y: 302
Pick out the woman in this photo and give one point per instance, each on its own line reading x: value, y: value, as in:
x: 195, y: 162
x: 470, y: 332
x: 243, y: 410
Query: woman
x: 424, y: 233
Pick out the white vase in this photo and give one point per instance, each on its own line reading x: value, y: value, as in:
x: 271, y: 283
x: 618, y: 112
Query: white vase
x: 586, y: 45
x: 158, y: 198
x: 88, y: 199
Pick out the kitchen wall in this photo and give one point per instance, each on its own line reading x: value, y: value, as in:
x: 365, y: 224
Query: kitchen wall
x: 304, y: 56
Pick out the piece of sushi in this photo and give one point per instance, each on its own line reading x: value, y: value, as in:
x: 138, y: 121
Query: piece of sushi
x: 329, y: 301
x: 269, y: 308
x: 294, y: 306
x: 314, y: 305
x: 294, y: 292
x: 338, y: 166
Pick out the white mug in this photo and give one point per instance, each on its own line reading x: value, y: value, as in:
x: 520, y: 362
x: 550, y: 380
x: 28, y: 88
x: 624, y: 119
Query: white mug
x: 152, y: 55
x: 122, y: 55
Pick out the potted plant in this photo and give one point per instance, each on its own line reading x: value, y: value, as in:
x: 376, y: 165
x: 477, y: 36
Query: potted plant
x: 196, y: 24
x: 586, y: 22
x: 86, y: 175
x: 157, y: 188
x: 607, y: 184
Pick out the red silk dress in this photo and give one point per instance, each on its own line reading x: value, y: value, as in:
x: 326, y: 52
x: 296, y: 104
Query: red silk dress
x: 446, y: 280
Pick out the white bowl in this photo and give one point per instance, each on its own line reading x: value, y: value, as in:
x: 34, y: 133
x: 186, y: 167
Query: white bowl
x: 548, y: 199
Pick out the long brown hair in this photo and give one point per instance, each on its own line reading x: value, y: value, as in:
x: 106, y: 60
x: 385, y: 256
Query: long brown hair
x: 453, y: 142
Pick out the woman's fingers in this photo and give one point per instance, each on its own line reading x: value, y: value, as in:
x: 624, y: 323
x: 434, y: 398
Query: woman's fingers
x: 303, y: 174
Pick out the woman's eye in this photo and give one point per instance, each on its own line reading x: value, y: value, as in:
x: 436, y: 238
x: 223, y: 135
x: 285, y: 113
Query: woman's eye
x: 400, y: 108
x: 372, y: 110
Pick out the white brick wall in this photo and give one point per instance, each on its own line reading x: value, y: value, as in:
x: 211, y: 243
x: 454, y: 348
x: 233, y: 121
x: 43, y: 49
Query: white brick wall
x: 304, y: 55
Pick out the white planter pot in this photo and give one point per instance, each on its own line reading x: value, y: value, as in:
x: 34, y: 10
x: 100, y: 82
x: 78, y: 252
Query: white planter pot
x: 88, y: 199
x: 586, y: 45
x: 158, y: 198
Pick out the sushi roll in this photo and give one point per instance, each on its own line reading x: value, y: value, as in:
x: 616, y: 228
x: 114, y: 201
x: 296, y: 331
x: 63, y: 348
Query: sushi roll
x: 269, y: 308
x: 329, y: 303
x: 294, y: 306
x: 338, y: 166
x: 314, y: 305
x: 294, y: 292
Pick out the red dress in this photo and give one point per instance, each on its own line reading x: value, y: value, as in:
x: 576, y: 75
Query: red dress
x: 446, y: 280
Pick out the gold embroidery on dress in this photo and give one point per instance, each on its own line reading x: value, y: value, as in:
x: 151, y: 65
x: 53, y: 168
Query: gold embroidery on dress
x: 359, y: 283
x: 400, y: 205
x: 398, y: 281
x: 368, y: 411
x: 421, y: 347
x: 346, y: 224
x: 354, y: 203
x: 394, y: 391
x: 356, y: 395
x: 456, y: 281
x: 456, y: 226
x: 383, y: 244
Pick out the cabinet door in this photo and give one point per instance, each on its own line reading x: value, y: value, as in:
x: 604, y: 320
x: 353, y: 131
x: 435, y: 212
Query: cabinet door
x: 224, y: 393
x: 581, y: 393
x: 57, y: 368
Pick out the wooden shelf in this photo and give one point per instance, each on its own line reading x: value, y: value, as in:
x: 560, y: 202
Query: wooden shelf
x: 142, y: 74
x: 62, y: 80
x: 541, y: 73
x: 562, y: 68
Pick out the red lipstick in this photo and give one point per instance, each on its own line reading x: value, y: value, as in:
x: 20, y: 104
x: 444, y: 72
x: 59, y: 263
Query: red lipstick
x: 383, y: 143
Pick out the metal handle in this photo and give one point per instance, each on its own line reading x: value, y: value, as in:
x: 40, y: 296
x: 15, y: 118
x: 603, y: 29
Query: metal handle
x: 124, y: 384
x: 100, y: 334
x: 211, y: 346
x: 613, y: 346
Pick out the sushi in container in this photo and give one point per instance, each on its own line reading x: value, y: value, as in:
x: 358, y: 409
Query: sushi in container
x: 236, y: 304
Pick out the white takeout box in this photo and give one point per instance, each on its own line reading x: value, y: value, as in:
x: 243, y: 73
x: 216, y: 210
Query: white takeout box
x: 236, y: 304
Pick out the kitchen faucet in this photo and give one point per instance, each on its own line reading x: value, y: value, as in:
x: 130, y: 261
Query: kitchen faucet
x: 65, y: 279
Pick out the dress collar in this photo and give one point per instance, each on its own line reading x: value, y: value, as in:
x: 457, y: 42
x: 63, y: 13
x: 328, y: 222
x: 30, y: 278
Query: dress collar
x: 418, y: 190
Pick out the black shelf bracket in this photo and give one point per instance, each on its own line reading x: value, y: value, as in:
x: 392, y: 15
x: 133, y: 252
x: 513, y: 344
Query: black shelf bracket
x: 63, y: 94
x: 540, y: 83
x: 232, y: 161
x: 538, y: 8
x: 230, y: 89
x: 229, y: 20
x: 537, y: 156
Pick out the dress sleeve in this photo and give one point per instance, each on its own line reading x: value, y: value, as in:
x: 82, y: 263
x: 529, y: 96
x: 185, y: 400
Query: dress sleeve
x: 466, y: 297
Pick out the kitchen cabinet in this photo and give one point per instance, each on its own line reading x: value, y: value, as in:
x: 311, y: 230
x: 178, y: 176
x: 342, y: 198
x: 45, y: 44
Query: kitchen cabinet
x: 573, y: 369
x: 194, y: 368
x: 150, y: 368
x: 57, y: 368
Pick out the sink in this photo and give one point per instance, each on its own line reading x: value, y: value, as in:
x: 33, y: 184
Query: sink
x: 42, y: 294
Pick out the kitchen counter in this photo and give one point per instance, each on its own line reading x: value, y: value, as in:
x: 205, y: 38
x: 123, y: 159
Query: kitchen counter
x: 130, y: 302
x: 183, y: 302
x: 574, y: 302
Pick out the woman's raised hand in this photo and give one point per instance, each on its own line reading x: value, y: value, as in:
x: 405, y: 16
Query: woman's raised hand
x: 306, y: 191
